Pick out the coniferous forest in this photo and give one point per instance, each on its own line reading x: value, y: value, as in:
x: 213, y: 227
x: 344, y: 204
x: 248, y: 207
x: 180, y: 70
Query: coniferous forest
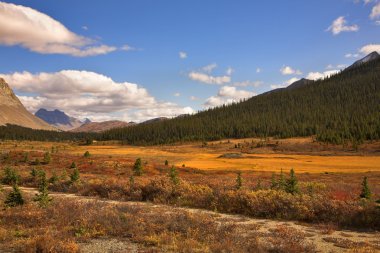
x: 344, y: 107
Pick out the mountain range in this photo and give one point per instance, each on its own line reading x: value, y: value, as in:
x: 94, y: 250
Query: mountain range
x: 60, y: 119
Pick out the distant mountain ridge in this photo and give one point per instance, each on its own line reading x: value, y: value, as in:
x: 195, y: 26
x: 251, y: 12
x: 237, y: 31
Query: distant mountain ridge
x: 59, y: 119
x: 370, y: 57
x: 12, y: 111
x: 97, y: 127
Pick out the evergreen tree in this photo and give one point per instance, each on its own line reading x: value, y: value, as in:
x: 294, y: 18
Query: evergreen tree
x: 239, y: 181
x: 87, y: 154
x: 366, y: 192
x: 47, y: 158
x: 131, y: 181
x: 42, y: 197
x: 174, y: 175
x: 33, y: 173
x: 54, y: 178
x: 14, y: 198
x: 292, y: 183
x: 73, y: 165
x: 137, y: 167
x: 10, y: 176
x: 74, y: 177
x: 64, y: 175
x: 166, y: 163
x: 274, y: 183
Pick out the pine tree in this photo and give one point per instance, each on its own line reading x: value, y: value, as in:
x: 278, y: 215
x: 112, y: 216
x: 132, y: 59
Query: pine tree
x: 239, y: 181
x: 166, y: 163
x: 292, y: 183
x: 87, y: 154
x: 54, y: 178
x: 47, y: 158
x: 10, y: 176
x: 33, y: 173
x: 43, y: 197
x: 73, y: 165
x: 74, y: 177
x: 274, y: 183
x: 138, y: 168
x: 131, y: 181
x: 14, y: 198
x: 366, y: 192
x: 174, y: 176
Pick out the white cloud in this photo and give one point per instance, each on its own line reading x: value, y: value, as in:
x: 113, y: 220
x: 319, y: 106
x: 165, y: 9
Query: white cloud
x: 127, y: 47
x: 38, y: 32
x: 349, y: 55
x: 182, y: 55
x: 258, y: 70
x: 367, y: 49
x: 209, y: 68
x: 375, y: 13
x: 287, y: 70
x: 193, y: 98
x: 339, y: 25
x: 248, y: 83
x: 377, y: 22
x: 227, y: 95
x: 177, y: 94
x: 339, y: 66
x: 86, y: 94
x: 229, y: 71
x: 321, y: 75
x: 205, y: 78
x: 85, y: 27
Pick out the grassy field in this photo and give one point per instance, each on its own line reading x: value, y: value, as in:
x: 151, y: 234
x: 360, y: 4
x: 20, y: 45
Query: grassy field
x: 329, y: 183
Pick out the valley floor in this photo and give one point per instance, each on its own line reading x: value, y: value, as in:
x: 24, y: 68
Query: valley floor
x: 268, y: 233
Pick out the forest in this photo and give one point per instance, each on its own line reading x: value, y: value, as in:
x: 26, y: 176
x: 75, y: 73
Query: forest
x: 342, y: 108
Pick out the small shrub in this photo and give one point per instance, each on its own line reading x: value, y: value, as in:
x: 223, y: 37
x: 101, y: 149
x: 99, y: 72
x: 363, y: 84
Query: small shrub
x: 14, y: 198
x: 42, y: 197
x: 239, y: 181
x: 173, y: 174
x: 10, y: 176
x: 366, y: 192
x: 292, y: 183
x: 47, y: 158
x: 137, y: 167
x: 87, y: 154
x: 73, y: 165
x: 74, y: 177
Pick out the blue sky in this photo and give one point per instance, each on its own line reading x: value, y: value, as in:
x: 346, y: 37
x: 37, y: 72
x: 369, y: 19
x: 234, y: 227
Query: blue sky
x: 234, y: 49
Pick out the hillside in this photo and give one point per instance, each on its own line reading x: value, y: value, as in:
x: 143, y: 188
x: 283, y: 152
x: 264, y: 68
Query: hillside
x: 13, y: 112
x: 58, y: 119
x: 343, y: 107
x: 97, y: 127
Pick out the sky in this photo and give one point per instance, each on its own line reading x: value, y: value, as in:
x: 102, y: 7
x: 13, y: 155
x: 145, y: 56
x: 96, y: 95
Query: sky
x: 140, y: 59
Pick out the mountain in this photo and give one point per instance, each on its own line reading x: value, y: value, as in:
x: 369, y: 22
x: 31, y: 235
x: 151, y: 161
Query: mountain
x: 344, y: 107
x: 13, y: 112
x: 59, y: 119
x: 370, y: 57
x: 300, y: 83
x: 96, y: 127
x: 154, y: 120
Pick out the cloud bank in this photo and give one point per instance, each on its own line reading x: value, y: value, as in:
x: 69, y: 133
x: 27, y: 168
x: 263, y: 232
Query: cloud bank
x: 38, y: 32
x: 89, y: 94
